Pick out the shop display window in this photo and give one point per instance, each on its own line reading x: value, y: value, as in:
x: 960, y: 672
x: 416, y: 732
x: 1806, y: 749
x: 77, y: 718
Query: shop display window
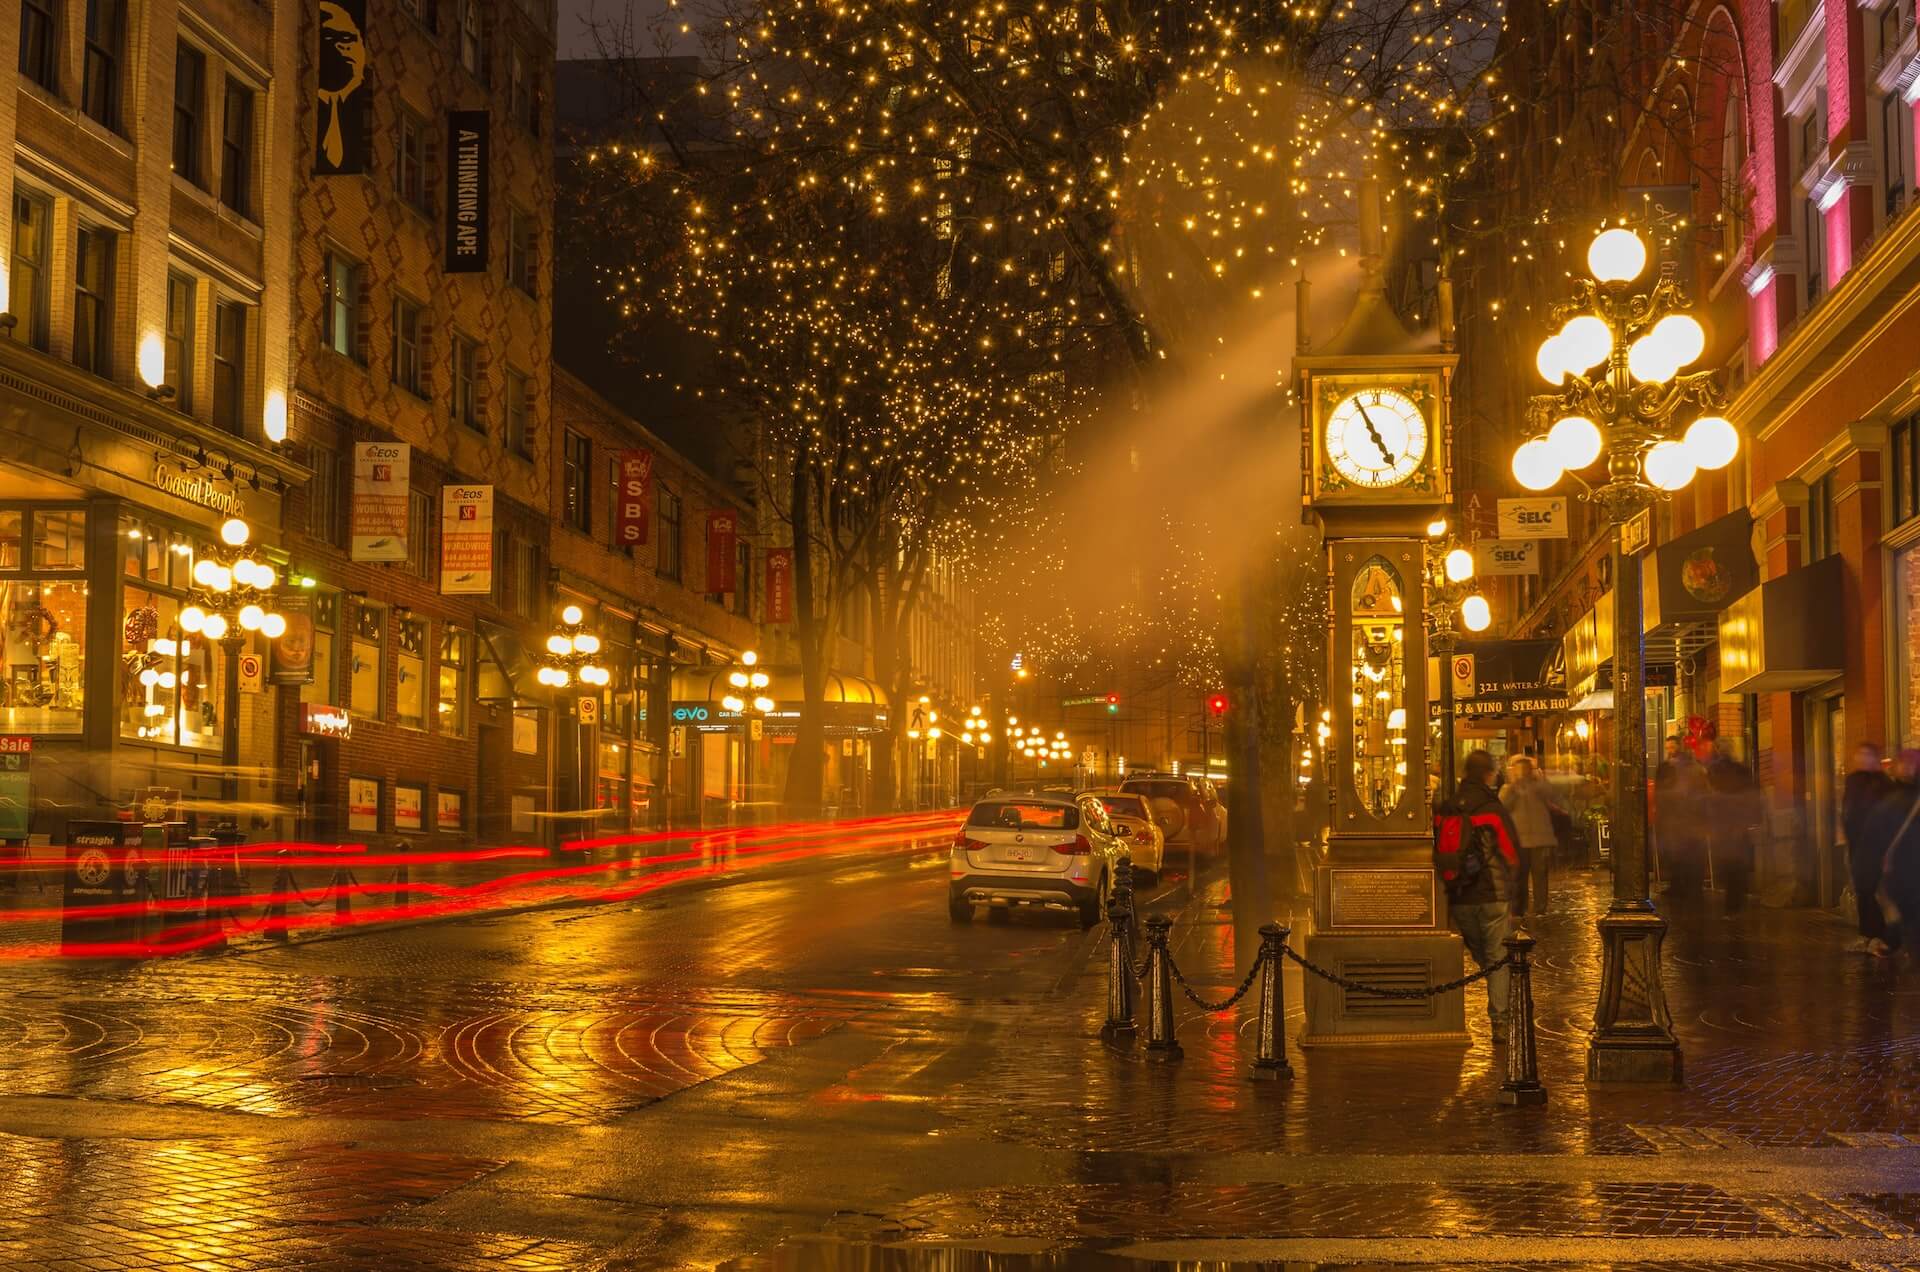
x: 409, y: 803
x: 44, y: 633
x: 450, y: 811
x: 169, y: 681
x: 451, y: 694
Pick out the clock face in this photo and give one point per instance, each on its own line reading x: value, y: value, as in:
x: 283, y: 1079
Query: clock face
x: 1376, y: 437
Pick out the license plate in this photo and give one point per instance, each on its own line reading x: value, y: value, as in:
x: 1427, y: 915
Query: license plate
x: 1018, y: 854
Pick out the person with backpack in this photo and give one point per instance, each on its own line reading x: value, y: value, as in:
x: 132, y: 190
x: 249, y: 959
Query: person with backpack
x: 1476, y: 851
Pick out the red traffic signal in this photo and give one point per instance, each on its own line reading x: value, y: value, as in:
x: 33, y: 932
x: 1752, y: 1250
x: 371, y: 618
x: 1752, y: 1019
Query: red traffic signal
x: 1217, y: 704
x: 1113, y: 703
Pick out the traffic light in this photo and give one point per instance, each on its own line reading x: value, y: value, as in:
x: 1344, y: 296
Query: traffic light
x: 1217, y: 704
x: 1113, y: 704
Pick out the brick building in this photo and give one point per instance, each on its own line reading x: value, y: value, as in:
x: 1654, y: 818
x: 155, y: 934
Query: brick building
x: 405, y: 337
x: 144, y: 379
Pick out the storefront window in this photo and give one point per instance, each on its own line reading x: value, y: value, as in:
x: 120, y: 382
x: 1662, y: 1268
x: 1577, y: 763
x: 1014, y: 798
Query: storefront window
x: 1906, y: 654
x: 449, y: 813
x: 363, y: 803
x: 60, y: 539
x: 410, y: 674
x: 366, y: 682
x: 170, y: 682
x: 451, y: 705
x: 612, y: 793
x: 45, y: 636
x: 409, y: 804
x: 10, y: 526
x: 322, y: 615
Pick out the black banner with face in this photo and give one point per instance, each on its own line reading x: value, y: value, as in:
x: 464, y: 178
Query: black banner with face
x: 468, y: 176
x: 340, y: 140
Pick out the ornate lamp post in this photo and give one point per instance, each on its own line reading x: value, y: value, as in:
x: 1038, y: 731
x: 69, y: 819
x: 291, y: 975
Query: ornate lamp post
x: 231, y: 597
x: 977, y: 737
x: 569, y: 657
x: 1453, y: 601
x: 1621, y: 395
x: 748, y: 679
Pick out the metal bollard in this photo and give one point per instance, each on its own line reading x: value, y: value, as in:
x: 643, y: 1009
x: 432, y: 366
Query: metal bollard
x: 400, y: 877
x: 342, y: 902
x: 1161, y: 1044
x: 276, y: 916
x: 1270, y: 1032
x: 1119, y: 969
x: 1523, y: 1062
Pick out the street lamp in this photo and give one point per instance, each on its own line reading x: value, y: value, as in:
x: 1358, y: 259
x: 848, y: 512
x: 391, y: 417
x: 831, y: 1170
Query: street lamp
x: 230, y: 598
x: 750, y: 701
x: 1621, y: 394
x: 1451, y: 594
x: 569, y: 657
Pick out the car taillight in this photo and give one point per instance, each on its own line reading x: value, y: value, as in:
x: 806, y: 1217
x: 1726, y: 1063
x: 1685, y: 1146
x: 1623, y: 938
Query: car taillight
x: 962, y: 844
x: 1078, y: 846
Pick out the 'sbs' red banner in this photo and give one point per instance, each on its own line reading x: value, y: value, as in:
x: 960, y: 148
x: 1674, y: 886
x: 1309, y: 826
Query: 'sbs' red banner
x: 635, y: 507
x: 723, y: 528
x: 779, y: 585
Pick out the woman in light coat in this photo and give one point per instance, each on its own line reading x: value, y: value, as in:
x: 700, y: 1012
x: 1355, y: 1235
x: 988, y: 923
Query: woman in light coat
x: 1530, y: 802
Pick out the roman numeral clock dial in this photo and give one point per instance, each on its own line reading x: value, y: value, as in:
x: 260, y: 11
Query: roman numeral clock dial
x: 1376, y: 438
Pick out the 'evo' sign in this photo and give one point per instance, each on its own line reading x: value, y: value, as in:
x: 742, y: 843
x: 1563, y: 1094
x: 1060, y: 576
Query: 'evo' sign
x: 1533, y: 518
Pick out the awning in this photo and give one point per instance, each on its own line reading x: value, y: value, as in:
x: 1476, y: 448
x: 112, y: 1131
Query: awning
x: 853, y: 704
x: 1588, y: 645
x: 1785, y: 634
x: 506, y: 673
x: 1509, y: 677
x: 1692, y: 578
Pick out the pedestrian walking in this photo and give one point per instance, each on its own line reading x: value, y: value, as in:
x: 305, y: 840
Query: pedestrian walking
x: 1867, y: 786
x: 1735, y: 808
x: 1476, y: 851
x: 1530, y: 803
x: 1680, y: 792
x: 1896, y: 823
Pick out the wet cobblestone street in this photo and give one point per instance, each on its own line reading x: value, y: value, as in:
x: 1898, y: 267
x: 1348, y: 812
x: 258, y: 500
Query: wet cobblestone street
x: 811, y: 1068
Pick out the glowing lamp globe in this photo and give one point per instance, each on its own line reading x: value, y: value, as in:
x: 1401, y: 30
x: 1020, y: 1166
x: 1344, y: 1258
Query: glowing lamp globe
x: 251, y: 616
x: 1459, y: 565
x: 1585, y: 342
x: 587, y: 643
x: 571, y: 614
x: 764, y: 704
x: 750, y: 658
x: 1475, y: 614
x: 215, y: 627
x: 1682, y: 337
x: 1649, y: 359
x: 203, y: 571
x: 544, y: 675
x: 1668, y: 465
x: 192, y: 619
x: 1712, y: 442
x: 234, y: 532
x: 1436, y: 528
x: 1551, y: 361
x: 560, y: 678
x: 559, y: 645
x: 1575, y: 442
x: 1534, y: 465
x: 1617, y: 256
x: 274, y: 626
x: 737, y: 679
x: 149, y: 677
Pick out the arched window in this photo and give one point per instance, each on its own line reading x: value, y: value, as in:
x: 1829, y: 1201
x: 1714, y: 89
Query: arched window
x: 1733, y: 159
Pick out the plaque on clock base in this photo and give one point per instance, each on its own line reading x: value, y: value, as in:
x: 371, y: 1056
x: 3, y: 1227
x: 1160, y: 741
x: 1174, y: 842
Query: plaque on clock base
x: 1379, y: 918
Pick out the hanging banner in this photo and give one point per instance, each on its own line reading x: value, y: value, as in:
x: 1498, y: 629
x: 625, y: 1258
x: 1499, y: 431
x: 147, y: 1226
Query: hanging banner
x: 1534, y: 518
x: 723, y: 530
x: 340, y: 123
x: 293, y: 652
x: 382, y: 472
x: 468, y: 175
x: 779, y: 585
x: 634, y: 509
x: 466, y: 540
x: 1506, y: 556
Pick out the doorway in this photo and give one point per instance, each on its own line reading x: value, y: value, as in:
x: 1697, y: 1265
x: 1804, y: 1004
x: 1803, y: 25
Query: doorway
x: 1826, y: 778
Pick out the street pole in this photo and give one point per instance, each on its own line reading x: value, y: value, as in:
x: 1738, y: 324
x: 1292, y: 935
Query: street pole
x: 231, y: 645
x: 1443, y: 647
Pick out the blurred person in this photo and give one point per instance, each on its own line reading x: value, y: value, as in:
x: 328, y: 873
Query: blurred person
x: 1680, y: 793
x: 1866, y: 787
x: 1530, y: 803
x: 1896, y: 822
x: 1735, y: 806
x: 1476, y: 850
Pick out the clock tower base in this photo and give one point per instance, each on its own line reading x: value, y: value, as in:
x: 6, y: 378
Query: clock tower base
x: 1379, y: 919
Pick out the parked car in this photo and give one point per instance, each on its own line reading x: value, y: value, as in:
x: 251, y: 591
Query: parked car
x: 1134, y: 821
x: 1182, y: 807
x: 1045, y: 852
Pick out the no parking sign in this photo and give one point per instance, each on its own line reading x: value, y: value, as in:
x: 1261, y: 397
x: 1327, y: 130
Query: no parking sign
x: 252, y: 673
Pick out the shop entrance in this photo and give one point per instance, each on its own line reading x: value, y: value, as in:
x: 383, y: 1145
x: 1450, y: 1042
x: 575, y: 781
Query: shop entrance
x: 1826, y: 778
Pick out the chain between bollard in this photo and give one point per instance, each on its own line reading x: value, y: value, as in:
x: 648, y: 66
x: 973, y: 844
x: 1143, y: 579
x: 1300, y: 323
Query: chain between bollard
x: 1180, y: 979
x: 1431, y: 991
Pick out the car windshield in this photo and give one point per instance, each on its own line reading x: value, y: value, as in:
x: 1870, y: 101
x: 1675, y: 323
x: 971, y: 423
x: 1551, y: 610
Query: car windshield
x: 1125, y: 806
x: 1016, y: 814
x: 1168, y: 789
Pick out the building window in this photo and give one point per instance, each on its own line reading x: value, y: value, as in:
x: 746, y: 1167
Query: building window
x: 450, y: 705
x: 667, y: 513
x: 93, y: 302
x: 1896, y: 124
x: 421, y: 554
x: 179, y: 340
x: 520, y: 245
x: 743, y: 581
x: 340, y: 307
x: 236, y: 149
x: 323, y: 611
x: 410, y: 674
x: 472, y: 38
x: 43, y: 680
x: 528, y: 591
x: 323, y: 494
x: 520, y: 88
x: 1816, y: 251
x: 100, y: 79
x: 363, y: 803
x: 366, y: 666
x: 229, y: 364
x: 423, y: 11
x: 466, y: 384
x: 577, y: 479
x: 40, y: 44
x: 409, y: 806
x: 410, y: 159
x: 1822, y: 521
x: 519, y: 429
x: 189, y: 104
x: 449, y: 811
x: 27, y: 272
x: 1903, y: 462
x: 406, y: 345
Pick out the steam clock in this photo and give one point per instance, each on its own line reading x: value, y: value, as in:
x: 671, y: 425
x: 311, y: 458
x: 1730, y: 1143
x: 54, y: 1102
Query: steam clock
x: 1375, y: 429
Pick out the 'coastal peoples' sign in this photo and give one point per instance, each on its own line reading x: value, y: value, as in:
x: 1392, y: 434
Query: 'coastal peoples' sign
x: 467, y: 178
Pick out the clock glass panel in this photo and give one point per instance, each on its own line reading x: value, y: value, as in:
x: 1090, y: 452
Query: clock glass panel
x: 1376, y: 437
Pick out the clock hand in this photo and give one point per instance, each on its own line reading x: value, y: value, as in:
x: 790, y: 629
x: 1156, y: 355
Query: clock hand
x: 1374, y: 433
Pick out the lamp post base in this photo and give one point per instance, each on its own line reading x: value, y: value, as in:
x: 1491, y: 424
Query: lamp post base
x: 1633, y: 1040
